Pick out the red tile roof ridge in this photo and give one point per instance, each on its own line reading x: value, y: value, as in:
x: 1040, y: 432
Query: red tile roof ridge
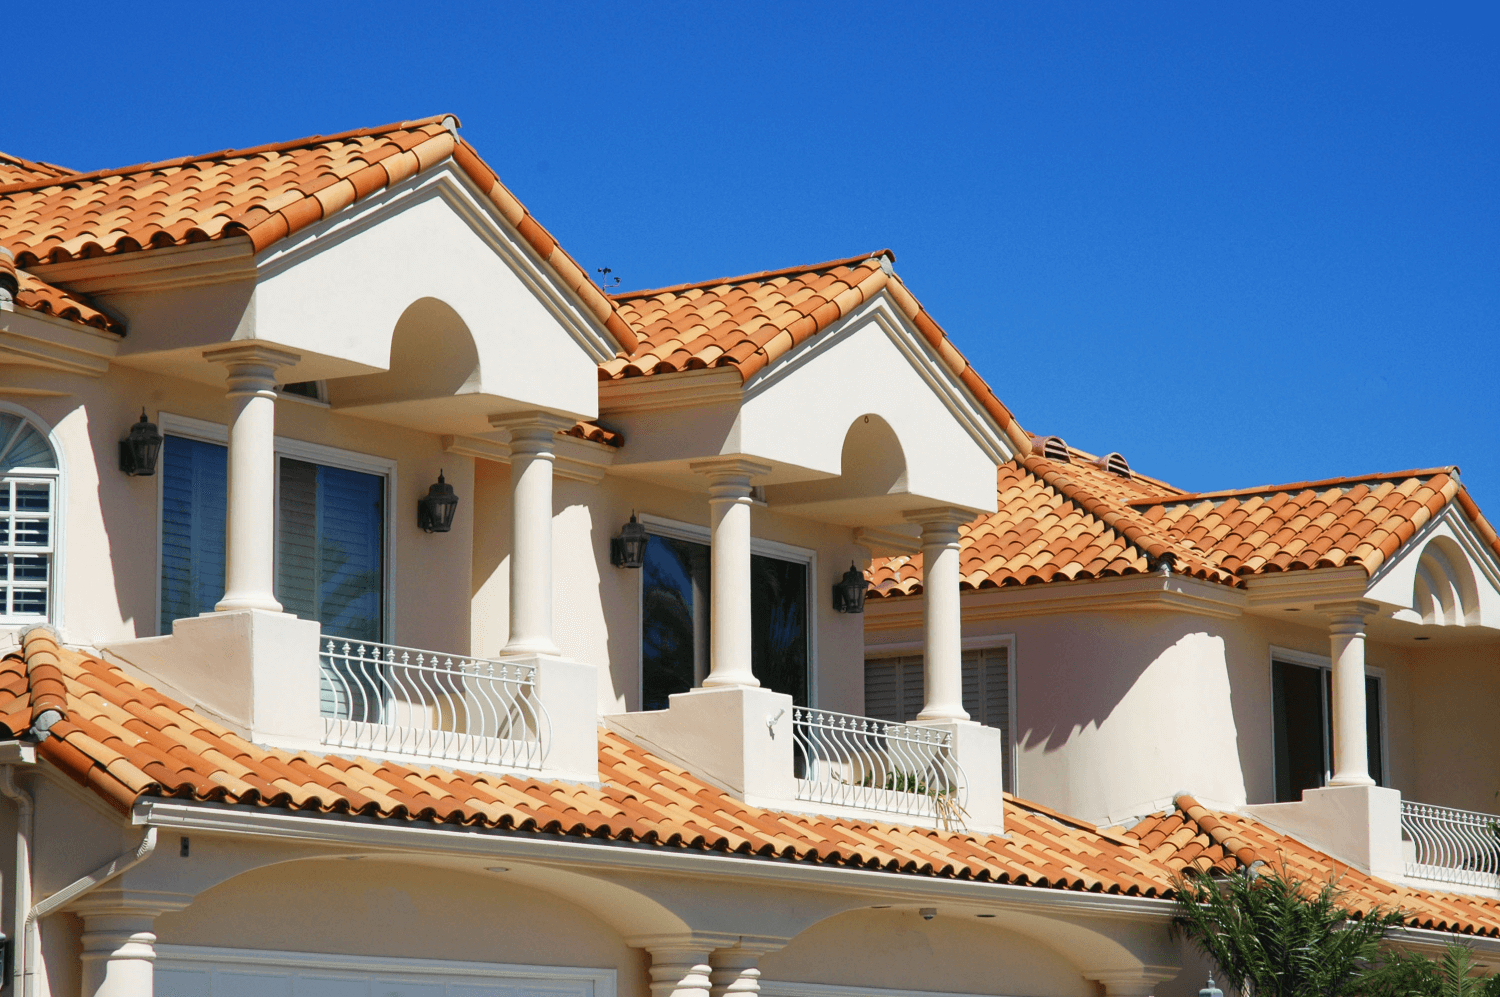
x: 1090, y: 458
x: 753, y: 277
x: 256, y: 150
x: 1482, y: 525
x: 1296, y: 486
x: 1125, y: 521
x: 34, y: 165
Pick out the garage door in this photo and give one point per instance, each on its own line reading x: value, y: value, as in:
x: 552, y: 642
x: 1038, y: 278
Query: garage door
x: 188, y: 971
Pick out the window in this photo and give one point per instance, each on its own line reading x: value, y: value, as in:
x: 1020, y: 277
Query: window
x: 675, y: 622
x: 194, y: 494
x: 1302, y: 697
x: 330, y: 539
x: 894, y: 691
x: 28, y: 530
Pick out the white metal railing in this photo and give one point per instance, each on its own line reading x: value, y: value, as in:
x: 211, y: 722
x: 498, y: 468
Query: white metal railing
x: 879, y: 765
x: 1454, y: 846
x: 407, y: 701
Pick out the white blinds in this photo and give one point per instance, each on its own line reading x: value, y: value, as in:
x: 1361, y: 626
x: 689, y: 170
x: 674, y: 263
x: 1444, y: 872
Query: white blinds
x: 330, y: 559
x: 194, y: 492
x: 894, y: 690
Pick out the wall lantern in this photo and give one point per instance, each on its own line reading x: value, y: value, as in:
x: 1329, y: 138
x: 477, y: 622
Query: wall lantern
x: 628, y: 550
x: 138, y: 451
x: 1211, y: 990
x: 435, y: 509
x: 849, y: 591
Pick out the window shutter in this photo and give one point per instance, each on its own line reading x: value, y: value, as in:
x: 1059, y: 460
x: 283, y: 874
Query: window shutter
x: 195, y: 485
x: 913, y: 688
x: 297, y: 539
x: 883, y: 688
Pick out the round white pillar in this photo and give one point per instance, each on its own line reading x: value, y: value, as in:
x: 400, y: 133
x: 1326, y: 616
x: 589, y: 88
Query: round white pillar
x: 250, y: 518
x: 680, y: 971
x: 729, y: 570
x: 942, y: 619
x: 119, y: 955
x: 1346, y: 638
x: 531, y: 461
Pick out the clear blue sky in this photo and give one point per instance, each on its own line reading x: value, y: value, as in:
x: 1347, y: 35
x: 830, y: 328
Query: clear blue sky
x: 1239, y: 243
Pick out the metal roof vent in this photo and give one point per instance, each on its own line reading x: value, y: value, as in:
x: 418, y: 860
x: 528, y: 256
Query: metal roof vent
x: 1114, y: 464
x: 1051, y: 447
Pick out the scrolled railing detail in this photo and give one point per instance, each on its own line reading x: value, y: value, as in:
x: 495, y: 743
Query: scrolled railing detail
x: 880, y: 765
x: 407, y: 701
x: 1450, y: 845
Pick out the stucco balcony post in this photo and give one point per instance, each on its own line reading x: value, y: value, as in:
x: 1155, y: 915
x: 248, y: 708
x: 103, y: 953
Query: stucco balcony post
x: 532, y: 455
x: 250, y: 522
x: 942, y: 622
x: 680, y: 970
x: 1346, y: 638
x: 119, y: 945
x: 736, y: 972
x: 729, y: 558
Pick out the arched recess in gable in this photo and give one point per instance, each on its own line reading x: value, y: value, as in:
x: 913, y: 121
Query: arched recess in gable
x: 433, y: 355
x: 1444, y: 592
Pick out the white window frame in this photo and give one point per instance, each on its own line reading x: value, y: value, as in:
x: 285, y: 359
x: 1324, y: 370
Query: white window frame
x: 171, y: 424
x: 676, y: 529
x: 57, y: 517
x: 603, y: 981
x: 978, y: 642
x: 1291, y: 656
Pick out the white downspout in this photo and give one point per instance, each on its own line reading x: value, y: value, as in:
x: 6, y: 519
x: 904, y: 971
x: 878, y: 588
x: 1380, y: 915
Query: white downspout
x: 109, y: 870
x: 20, y: 917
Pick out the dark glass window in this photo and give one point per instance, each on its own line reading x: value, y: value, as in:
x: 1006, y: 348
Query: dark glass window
x: 675, y: 623
x: 330, y: 539
x: 1302, y: 698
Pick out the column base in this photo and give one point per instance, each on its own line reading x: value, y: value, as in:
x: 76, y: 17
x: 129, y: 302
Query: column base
x: 568, y: 692
x: 1360, y: 825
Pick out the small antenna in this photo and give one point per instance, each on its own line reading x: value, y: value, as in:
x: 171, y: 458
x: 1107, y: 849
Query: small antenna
x: 604, y: 273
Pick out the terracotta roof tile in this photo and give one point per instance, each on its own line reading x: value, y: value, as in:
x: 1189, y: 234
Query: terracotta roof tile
x: 14, y: 169
x: 1066, y: 520
x: 39, y: 296
x: 751, y: 321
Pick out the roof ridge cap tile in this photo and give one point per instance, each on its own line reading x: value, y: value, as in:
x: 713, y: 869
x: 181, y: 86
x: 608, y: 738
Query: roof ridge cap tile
x: 255, y: 150
x: 751, y: 278
x: 44, y: 677
x: 1296, y: 486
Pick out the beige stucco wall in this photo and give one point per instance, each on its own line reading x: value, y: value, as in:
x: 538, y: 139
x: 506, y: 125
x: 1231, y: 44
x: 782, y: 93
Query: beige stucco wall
x: 111, y: 531
x: 897, y: 949
x: 1117, y: 712
x: 405, y: 910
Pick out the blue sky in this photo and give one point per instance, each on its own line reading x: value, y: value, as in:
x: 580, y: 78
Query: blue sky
x: 1239, y: 244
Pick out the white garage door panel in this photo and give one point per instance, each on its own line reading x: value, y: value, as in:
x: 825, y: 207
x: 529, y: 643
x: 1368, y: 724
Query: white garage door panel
x: 189, y: 971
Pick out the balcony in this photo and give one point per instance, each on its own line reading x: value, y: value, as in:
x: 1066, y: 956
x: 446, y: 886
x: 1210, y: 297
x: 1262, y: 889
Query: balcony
x: 1450, y: 845
x: 406, y: 701
x: 862, y: 763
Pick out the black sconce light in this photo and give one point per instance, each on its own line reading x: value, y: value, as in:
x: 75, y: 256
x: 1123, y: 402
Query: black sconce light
x: 138, y: 451
x: 849, y: 592
x: 628, y: 550
x: 435, y: 509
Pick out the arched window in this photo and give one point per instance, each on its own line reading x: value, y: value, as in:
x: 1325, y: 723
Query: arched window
x: 28, y: 535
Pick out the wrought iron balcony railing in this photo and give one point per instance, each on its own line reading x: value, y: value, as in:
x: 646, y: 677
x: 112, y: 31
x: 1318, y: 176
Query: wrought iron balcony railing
x: 1452, y: 846
x: 879, y: 765
x: 406, y: 701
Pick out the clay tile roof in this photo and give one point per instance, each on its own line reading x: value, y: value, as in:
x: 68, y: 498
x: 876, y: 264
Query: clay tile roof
x: 596, y: 433
x: 39, y: 296
x: 14, y: 169
x: 265, y: 193
x: 126, y: 741
x: 1067, y: 520
x: 751, y: 321
x: 1229, y: 840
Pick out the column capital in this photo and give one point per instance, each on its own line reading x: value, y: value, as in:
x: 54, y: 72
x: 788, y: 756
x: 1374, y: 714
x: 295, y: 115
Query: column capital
x: 734, y: 466
x: 1347, y: 610
x: 251, y: 352
x: 531, y: 422
x: 945, y: 515
x: 1132, y: 982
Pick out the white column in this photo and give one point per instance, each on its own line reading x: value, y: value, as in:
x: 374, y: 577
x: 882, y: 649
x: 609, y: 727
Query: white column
x: 736, y: 972
x: 250, y: 523
x: 1346, y: 638
x: 942, y: 620
x: 532, y: 453
x: 119, y: 946
x: 729, y: 558
x: 680, y: 971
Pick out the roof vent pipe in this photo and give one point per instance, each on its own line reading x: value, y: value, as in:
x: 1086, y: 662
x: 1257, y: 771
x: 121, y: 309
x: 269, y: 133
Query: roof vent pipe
x: 10, y: 283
